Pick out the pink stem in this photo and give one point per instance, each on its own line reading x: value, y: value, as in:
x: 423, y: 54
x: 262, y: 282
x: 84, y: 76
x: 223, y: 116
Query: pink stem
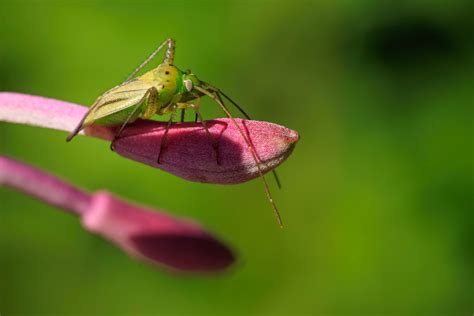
x: 43, y: 186
x: 39, y: 111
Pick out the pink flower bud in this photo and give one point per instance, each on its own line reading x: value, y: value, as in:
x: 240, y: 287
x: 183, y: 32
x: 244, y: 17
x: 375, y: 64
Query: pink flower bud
x: 189, y: 152
x: 150, y: 235
x: 156, y: 237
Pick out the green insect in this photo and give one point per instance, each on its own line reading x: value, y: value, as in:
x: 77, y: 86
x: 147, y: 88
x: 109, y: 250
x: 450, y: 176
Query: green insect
x: 160, y: 91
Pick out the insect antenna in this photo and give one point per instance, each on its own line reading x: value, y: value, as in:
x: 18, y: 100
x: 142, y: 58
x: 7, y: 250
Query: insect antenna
x: 219, y: 93
x: 252, y: 150
x: 277, y: 179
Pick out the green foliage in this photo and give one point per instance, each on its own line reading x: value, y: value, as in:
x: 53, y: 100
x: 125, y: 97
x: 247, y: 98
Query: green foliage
x: 377, y: 197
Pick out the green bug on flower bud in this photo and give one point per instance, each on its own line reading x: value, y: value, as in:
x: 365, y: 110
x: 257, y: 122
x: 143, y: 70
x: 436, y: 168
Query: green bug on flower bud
x: 160, y: 91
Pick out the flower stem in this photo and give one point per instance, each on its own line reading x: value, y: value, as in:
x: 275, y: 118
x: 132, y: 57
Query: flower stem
x: 43, y: 186
x: 39, y: 111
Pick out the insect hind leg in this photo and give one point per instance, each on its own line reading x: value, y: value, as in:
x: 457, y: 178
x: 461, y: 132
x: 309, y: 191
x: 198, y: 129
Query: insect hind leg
x: 169, y: 56
x: 152, y: 95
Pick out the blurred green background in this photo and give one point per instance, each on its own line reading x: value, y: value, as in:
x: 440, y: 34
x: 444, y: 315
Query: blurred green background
x: 377, y: 197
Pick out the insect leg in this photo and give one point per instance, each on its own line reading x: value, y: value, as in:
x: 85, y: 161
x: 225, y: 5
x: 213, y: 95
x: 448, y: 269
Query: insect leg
x: 165, y: 135
x: 277, y: 178
x: 150, y: 93
x: 214, y: 144
x: 251, y: 147
x: 183, y: 111
x: 169, y: 55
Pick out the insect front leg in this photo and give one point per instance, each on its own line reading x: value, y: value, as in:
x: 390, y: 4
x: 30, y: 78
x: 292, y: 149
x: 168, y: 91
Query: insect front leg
x: 196, y: 106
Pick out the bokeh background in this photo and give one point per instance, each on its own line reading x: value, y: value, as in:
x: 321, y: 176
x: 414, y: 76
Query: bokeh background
x: 377, y: 197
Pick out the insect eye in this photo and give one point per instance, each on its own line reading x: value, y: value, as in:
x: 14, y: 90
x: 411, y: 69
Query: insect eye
x: 188, y: 84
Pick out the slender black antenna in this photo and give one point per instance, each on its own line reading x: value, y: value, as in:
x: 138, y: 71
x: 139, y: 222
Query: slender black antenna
x: 235, y: 104
x: 218, y: 93
x: 277, y: 178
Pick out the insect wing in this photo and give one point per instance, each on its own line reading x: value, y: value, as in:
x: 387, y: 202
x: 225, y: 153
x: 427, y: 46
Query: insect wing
x: 115, y: 100
x: 118, y: 99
